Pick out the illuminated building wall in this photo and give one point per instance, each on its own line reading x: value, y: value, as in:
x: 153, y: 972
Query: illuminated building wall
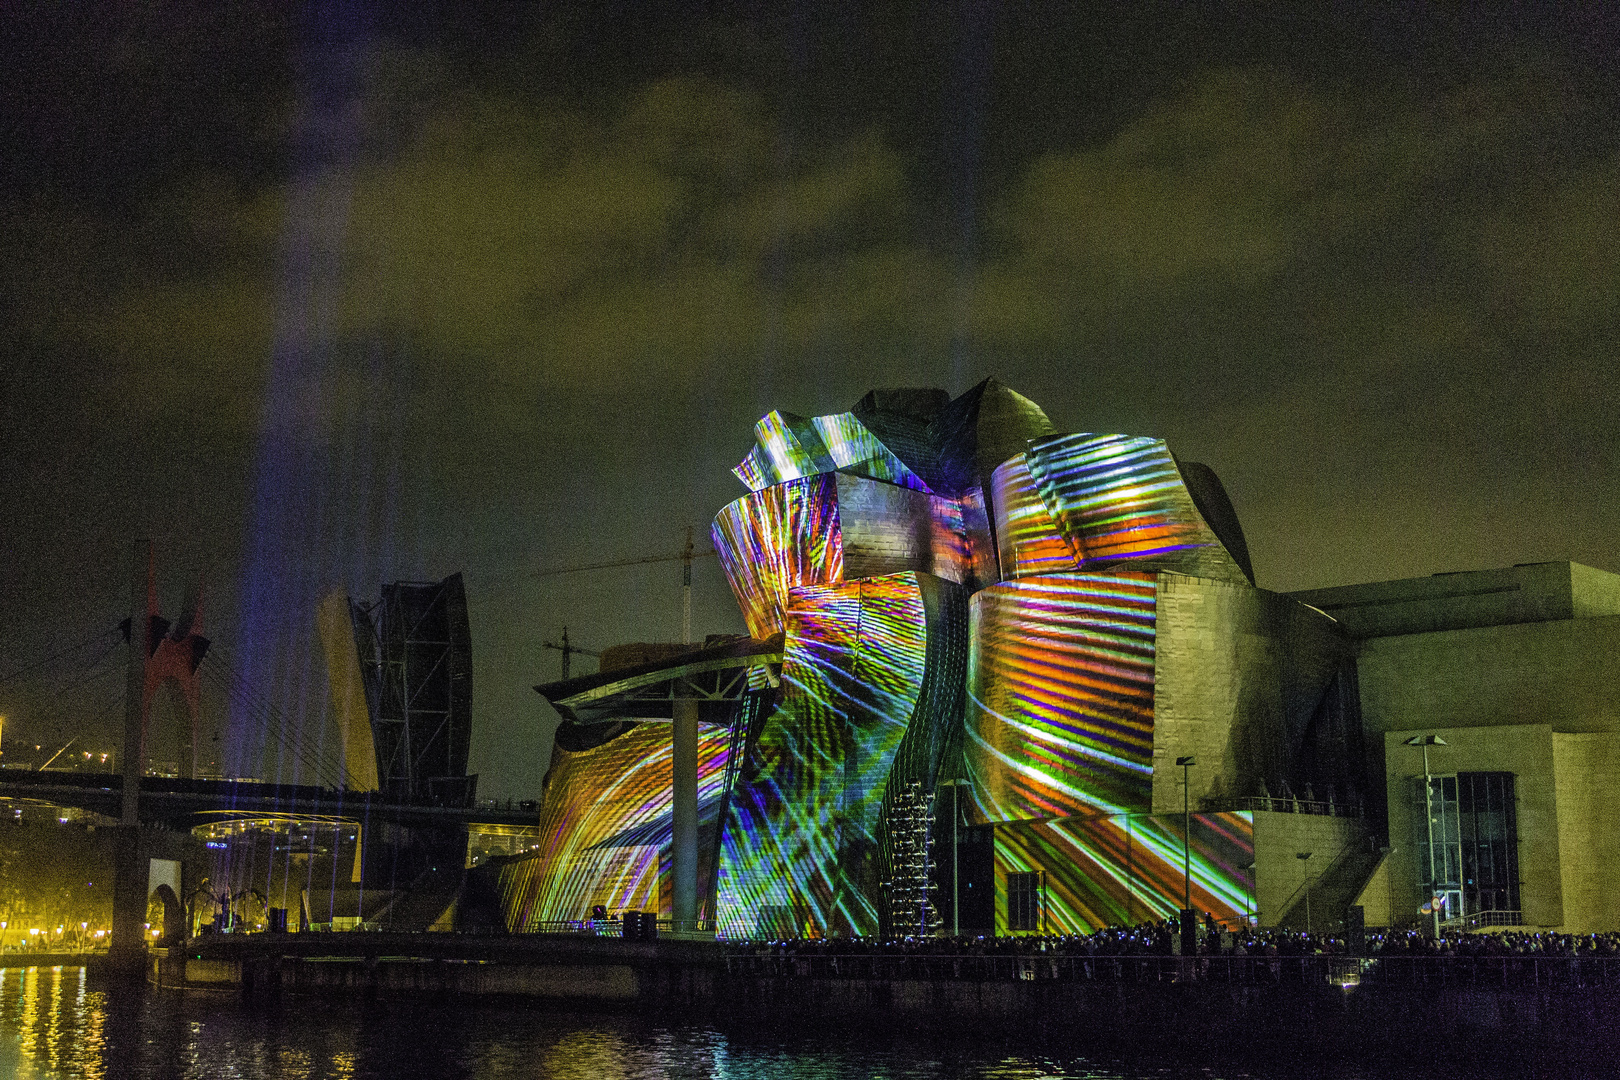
x: 1118, y: 498
x: 801, y: 848
x: 1096, y: 501
x: 604, y: 819
x: 1126, y: 869
x: 790, y: 447
x: 778, y: 538
x: 834, y: 527
x: 964, y: 593
x: 1060, y: 696
x: 1028, y: 539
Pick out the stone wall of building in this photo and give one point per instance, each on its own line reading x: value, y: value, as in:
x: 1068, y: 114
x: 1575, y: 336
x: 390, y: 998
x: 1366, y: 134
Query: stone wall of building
x: 1585, y: 767
x: 1279, y: 873
x: 1526, y: 750
x: 1238, y: 673
x: 1564, y: 673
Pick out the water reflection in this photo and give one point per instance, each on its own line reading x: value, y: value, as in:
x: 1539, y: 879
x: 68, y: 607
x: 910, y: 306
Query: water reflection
x: 54, y: 1025
x: 57, y: 1025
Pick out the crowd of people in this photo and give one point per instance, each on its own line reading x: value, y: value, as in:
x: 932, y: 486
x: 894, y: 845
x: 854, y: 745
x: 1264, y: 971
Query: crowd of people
x: 1248, y: 954
x: 1159, y: 938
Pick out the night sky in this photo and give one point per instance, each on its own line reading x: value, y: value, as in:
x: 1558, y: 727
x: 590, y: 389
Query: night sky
x: 359, y: 293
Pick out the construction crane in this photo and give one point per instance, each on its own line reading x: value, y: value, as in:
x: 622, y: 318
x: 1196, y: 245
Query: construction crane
x: 567, y: 651
x: 685, y: 557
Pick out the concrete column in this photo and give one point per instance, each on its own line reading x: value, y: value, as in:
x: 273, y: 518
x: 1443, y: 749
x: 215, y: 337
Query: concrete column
x: 683, y: 853
x: 128, y: 945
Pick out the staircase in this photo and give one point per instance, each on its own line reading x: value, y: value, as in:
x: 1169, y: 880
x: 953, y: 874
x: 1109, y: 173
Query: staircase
x: 1332, y: 891
x: 419, y: 906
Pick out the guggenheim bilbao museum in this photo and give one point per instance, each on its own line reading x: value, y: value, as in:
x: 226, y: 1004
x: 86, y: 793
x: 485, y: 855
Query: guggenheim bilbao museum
x: 1000, y: 678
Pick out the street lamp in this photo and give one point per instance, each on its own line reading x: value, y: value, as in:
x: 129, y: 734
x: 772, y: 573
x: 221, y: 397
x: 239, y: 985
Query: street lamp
x: 1186, y: 764
x: 1305, y: 857
x: 1189, y: 932
x: 1248, y: 887
x: 956, y: 787
x: 1426, y: 741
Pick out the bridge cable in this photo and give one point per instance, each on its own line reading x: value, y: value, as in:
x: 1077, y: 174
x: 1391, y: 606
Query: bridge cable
x: 274, y: 724
x: 61, y: 653
x: 324, y: 765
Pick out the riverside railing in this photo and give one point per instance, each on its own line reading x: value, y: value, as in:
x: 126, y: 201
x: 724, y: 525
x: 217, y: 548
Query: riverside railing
x: 615, y: 927
x: 1429, y: 971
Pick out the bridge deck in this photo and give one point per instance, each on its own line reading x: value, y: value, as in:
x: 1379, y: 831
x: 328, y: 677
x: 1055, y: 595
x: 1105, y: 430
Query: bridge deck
x: 186, y: 803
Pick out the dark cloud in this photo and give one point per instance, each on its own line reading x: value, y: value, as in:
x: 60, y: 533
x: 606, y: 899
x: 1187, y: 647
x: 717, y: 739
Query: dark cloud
x: 448, y: 313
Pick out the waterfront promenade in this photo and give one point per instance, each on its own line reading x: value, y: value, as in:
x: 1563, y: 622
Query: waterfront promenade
x: 1562, y: 1005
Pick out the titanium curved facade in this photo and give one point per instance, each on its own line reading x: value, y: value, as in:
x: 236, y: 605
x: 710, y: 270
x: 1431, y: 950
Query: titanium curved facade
x: 1060, y: 697
x: 800, y: 847
x: 1044, y: 622
x: 605, y: 826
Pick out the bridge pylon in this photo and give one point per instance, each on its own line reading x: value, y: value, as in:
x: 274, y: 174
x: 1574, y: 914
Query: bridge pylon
x: 160, y: 653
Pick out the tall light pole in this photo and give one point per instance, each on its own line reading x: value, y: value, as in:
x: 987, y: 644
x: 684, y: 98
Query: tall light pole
x: 687, y: 555
x: 1186, y: 764
x: 1189, y: 924
x: 1305, y: 857
x: 1426, y: 741
x: 956, y: 787
x: 1248, y: 887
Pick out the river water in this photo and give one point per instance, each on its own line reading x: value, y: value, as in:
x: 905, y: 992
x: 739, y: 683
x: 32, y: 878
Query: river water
x: 54, y: 1023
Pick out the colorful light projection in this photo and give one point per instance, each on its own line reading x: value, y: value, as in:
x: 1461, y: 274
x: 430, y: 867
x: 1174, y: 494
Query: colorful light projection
x: 1124, y: 869
x: 1028, y: 539
x: 776, y: 539
x: 791, y: 447
x: 833, y: 527
x: 1118, y: 498
x: 799, y: 852
x: 603, y: 821
x: 1060, y: 696
x: 886, y: 529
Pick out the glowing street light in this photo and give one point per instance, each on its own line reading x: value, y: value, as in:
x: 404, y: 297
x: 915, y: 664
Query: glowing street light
x: 1186, y: 764
x: 1187, y: 922
x: 1426, y: 741
x: 1305, y: 857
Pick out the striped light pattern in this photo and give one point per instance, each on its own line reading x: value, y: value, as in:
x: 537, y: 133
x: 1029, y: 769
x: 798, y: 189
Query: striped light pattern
x: 775, y: 539
x: 790, y: 447
x: 1060, y: 696
x: 799, y: 849
x: 1119, y: 497
x: 1028, y: 539
x: 604, y: 817
x: 1126, y: 869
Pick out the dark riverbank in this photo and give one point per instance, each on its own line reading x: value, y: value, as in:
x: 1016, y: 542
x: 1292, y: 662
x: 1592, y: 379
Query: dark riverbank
x: 60, y: 1025
x: 1286, y: 1014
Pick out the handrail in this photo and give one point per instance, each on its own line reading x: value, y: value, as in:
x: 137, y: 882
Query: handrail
x: 1279, y: 805
x: 615, y: 927
x: 1513, y: 970
x: 1293, y: 898
x: 1496, y: 917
